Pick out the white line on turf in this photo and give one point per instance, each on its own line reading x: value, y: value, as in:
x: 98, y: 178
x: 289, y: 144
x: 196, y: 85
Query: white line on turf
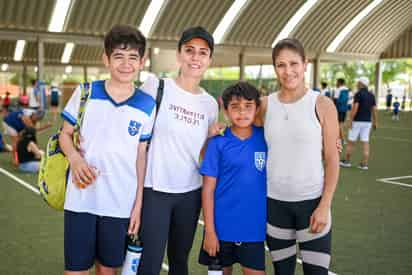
x: 18, y: 180
x: 165, y: 267
x: 394, y: 181
x: 298, y: 260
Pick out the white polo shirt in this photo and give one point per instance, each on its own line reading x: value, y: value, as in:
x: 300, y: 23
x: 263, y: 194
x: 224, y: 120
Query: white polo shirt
x: 179, y: 134
x: 111, y: 134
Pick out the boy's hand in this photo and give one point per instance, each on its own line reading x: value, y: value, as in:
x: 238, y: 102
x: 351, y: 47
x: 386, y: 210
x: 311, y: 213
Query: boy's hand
x: 216, y: 129
x: 82, y: 173
x: 134, y: 223
x: 211, y: 244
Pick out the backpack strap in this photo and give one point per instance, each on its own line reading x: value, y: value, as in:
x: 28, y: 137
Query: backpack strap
x: 159, y: 95
x: 84, y: 98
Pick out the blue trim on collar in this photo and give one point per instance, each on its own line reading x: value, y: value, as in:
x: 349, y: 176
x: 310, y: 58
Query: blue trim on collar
x: 139, y: 100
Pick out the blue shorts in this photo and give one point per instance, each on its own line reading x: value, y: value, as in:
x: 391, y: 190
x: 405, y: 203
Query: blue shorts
x: 88, y: 237
x: 247, y: 254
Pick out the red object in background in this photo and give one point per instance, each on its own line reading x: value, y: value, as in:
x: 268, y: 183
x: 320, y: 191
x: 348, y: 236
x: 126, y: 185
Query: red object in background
x: 6, y: 101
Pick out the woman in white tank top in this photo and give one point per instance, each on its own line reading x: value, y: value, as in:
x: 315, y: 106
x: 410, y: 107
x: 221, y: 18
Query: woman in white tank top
x: 301, y: 131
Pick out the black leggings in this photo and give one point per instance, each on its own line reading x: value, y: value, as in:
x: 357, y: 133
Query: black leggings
x: 172, y: 219
x: 288, y: 224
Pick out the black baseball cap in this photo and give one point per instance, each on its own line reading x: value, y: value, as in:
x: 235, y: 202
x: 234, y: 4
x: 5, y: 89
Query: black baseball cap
x: 197, y: 32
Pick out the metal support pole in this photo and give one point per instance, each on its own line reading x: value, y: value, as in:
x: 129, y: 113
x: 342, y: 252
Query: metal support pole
x: 316, y: 73
x: 241, y: 66
x: 40, y: 60
x: 150, y: 57
x: 24, y: 76
x: 85, y: 76
x: 378, y: 79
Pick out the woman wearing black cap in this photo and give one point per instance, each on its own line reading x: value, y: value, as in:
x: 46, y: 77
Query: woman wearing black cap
x: 172, y: 195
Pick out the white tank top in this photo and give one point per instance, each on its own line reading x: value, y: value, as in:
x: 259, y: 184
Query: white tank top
x: 294, y: 138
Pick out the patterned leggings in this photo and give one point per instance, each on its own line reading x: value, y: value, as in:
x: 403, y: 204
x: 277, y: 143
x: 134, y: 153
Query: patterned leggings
x: 288, y: 226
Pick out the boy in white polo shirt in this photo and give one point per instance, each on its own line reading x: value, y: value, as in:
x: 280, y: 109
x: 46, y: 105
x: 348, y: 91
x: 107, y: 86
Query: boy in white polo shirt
x: 104, y: 191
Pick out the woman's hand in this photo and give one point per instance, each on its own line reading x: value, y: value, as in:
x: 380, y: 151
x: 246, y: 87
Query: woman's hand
x: 319, y: 219
x: 215, y: 129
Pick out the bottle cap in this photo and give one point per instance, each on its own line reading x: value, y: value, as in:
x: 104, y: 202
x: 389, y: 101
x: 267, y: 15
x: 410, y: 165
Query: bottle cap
x: 215, y: 264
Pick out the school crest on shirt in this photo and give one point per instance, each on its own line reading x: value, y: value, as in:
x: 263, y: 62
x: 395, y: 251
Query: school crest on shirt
x: 134, y: 127
x: 260, y: 160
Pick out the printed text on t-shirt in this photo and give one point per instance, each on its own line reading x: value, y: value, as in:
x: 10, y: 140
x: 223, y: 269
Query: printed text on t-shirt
x: 185, y: 115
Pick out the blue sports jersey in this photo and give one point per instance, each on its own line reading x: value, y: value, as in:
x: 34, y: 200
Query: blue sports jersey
x: 396, y: 106
x: 54, y: 95
x: 14, y: 120
x: 240, y: 196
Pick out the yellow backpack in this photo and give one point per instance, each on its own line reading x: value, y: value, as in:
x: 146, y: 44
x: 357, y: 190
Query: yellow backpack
x: 54, y: 166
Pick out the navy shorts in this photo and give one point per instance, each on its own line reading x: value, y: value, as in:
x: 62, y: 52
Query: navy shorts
x: 88, y: 237
x: 247, y: 254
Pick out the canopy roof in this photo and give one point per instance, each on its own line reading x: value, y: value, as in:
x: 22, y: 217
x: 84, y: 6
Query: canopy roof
x: 386, y: 32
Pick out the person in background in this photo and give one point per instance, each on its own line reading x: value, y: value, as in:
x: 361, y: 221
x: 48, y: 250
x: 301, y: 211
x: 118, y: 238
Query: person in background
x: 54, y: 101
x: 342, y: 105
x: 403, y: 104
x: 6, y: 103
x: 28, y: 151
x: 24, y: 100
x: 389, y: 100
x: 15, y: 122
x: 363, y: 117
x: 325, y: 91
x: 34, y: 96
x: 396, y: 106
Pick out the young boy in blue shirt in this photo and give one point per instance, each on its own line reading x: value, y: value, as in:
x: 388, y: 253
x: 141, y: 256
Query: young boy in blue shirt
x: 234, y: 187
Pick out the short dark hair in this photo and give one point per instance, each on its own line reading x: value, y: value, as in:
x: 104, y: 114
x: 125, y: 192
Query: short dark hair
x: 124, y: 37
x: 341, y: 81
x: 291, y: 44
x: 324, y: 84
x: 242, y: 89
x: 196, y: 32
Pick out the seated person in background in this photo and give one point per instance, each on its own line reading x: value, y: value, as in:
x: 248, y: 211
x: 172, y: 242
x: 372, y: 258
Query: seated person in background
x: 15, y: 122
x: 28, y: 151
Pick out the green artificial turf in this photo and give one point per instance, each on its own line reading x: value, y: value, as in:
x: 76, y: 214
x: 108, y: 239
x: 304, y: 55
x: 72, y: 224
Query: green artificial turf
x: 371, y: 219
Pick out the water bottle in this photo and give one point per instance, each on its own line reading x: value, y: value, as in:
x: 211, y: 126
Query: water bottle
x: 215, y: 267
x: 133, y: 256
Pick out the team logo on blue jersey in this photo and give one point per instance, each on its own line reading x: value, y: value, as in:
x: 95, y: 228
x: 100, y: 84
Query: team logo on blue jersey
x: 134, y: 127
x: 260, y: 160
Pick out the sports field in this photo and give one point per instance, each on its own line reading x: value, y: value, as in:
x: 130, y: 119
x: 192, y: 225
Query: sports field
x: 372, y: 214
